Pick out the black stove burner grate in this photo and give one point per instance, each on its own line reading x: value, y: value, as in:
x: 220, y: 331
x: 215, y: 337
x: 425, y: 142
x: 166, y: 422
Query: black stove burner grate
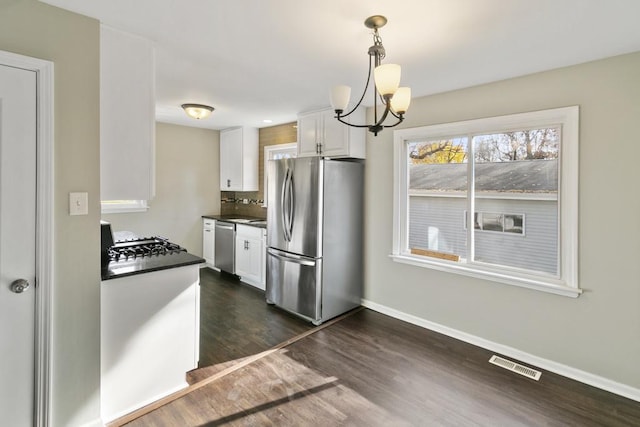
x: 142, y: 247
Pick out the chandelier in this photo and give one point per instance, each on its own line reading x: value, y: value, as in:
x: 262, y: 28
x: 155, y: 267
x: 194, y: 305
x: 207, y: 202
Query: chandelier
x: 386, y: 81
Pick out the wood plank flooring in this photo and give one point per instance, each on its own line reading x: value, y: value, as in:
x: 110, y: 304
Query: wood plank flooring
x: 235, y: 322
x: 371, y: 370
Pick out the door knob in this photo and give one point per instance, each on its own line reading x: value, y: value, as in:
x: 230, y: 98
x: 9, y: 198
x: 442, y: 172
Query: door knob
x: 19, y: 286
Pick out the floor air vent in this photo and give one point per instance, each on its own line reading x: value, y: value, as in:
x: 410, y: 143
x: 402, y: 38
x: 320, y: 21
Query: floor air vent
x: 515, y: 367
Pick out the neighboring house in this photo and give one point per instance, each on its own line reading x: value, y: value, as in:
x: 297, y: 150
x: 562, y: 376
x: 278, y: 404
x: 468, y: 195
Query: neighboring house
x: 515, y: 215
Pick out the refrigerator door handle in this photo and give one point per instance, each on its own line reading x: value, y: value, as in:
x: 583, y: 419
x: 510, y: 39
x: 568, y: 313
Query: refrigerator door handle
x: 292, y: 204
x: 283, y: 206
x: 291, y: 257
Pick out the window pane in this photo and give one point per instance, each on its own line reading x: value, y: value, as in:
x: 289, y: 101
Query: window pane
x: 437, y: 197
x: 516, y: 178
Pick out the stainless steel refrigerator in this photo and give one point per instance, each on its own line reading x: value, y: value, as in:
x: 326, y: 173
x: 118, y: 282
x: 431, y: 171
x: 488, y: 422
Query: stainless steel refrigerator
x: 315, y: 236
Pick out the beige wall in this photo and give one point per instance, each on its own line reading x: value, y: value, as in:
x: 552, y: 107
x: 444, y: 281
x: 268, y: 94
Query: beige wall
x: 187, y: 187
x: 71, y: 42
x: 599, y: 332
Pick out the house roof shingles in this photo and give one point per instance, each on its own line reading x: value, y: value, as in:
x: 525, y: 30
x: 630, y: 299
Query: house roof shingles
x: 521, y: 176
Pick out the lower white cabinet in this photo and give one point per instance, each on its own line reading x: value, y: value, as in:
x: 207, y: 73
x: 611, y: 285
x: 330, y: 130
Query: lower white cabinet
x: 208, y: 241
x: 149, y: 337
x: 251, y: 255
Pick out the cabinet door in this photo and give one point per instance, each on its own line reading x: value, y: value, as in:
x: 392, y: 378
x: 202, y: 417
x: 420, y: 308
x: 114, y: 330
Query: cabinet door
x: 242, y: 258
x: 249, y: 260
x: 231, y: 160
x: 335, y: 136
x: 254, y: 250
x: 307, y: 134
x: 127, y: 116
x: 208, y: 242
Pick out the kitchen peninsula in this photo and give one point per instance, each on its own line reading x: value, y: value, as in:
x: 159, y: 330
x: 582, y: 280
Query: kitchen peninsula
x: 150, y: 313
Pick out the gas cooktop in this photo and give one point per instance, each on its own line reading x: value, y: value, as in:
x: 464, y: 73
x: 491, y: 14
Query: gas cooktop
x: 143, y: 247
x: 144, y: 255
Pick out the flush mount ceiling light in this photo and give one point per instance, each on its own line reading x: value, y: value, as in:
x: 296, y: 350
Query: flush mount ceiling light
x: 386, y: 81
x: 197, y: 111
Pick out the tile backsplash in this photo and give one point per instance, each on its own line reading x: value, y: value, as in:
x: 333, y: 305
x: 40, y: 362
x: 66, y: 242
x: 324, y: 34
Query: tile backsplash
x: 242, y: 203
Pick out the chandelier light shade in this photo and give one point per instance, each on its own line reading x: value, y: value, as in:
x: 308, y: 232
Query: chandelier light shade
x: 197, y: 111
x: 401, y: 100
x: 386, y: 80
x: 340, y: 97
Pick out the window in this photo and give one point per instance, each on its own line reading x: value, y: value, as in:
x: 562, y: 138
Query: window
x: 515, y: 177
x: 275, y: 152
x: 123, y: 206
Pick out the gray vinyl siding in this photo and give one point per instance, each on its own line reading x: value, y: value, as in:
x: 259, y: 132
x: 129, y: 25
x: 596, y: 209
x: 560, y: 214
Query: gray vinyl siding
x: 442, y: 219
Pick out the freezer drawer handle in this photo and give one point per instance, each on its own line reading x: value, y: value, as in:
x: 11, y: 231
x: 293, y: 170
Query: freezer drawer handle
x: 291, y: 258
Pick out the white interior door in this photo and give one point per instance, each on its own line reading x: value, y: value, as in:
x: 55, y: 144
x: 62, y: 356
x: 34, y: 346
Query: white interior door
x: 17, y: 244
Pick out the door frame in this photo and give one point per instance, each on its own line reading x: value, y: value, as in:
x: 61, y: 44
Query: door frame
x: 44, y: 227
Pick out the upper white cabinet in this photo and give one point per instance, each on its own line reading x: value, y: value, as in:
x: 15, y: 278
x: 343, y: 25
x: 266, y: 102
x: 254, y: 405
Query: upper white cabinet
x: 321, y: 134
x: 239, y: 159
x: 127, y: 116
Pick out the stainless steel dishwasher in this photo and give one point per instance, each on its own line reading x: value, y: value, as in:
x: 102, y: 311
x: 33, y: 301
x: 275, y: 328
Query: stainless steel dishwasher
x: 225, y: 245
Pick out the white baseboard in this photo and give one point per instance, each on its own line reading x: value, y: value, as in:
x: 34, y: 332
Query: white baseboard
x: 549, y: 365
x: 121, y: 413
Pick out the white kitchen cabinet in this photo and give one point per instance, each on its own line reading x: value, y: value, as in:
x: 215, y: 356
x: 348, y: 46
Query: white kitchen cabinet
x: 251, y: 255
x: 239, y: 159
x: 127, y: 116
x: 321, y: 134
x: 149, y: 332
x: 208, y: 241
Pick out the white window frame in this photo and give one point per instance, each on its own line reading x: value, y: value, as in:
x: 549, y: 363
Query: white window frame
x: 123, y: 206
x: 269, y: 152
x: 566, y: 283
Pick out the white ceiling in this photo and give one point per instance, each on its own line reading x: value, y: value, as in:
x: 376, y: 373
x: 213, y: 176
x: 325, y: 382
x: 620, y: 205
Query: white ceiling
x: 270, y: 59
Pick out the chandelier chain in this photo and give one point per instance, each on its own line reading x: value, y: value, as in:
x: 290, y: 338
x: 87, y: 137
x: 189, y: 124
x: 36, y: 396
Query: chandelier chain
x: 377, y: 41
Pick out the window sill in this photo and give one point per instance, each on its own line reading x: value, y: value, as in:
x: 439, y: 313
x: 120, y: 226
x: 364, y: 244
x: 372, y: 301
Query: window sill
x: 123, y: 206
x: 549, y: 286
x: 123, y: 210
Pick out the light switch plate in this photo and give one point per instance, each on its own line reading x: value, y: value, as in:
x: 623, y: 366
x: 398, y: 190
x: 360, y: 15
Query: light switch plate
x: 78, y: 203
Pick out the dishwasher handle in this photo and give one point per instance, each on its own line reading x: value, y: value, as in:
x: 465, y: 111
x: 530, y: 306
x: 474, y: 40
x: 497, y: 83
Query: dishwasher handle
x: 224, y: 227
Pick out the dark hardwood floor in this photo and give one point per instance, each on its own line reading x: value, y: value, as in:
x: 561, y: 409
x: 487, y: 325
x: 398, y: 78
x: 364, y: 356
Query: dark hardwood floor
x: 371, y: 370
x: 236, y: 322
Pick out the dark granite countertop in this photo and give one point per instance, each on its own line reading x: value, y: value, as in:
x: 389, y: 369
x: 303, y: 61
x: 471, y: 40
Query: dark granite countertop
x: 244, y: 220
x: 147, y: 264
